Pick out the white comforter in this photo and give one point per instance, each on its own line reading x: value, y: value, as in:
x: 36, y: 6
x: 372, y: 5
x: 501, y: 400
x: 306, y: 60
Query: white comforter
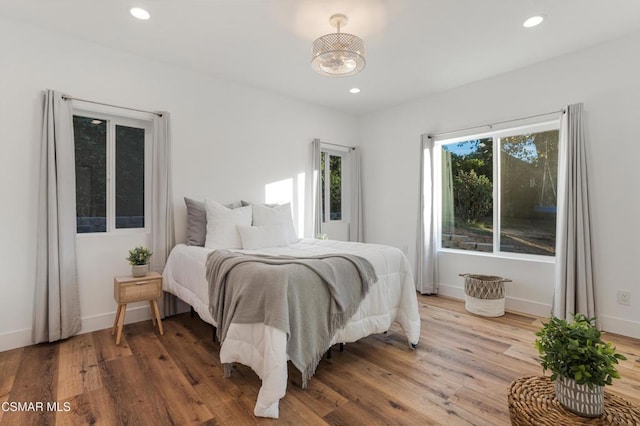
x: 263, y: 348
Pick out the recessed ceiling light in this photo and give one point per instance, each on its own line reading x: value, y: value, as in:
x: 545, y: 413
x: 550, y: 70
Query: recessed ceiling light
x: 354, y: 90
x: 96, y: 121
x: 140, y: 13
x: 533, y: 21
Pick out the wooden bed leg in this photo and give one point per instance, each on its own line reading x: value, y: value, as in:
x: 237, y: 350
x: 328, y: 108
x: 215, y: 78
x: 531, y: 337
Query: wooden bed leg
x: 329, y: 353
x: 193, y: 313
x: 341, y: 347
x: 214, y: 333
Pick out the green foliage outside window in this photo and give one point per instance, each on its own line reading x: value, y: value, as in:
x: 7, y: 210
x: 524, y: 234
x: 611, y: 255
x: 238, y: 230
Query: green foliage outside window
x: 473, y: 195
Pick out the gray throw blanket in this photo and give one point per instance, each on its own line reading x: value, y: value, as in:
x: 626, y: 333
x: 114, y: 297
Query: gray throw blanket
x: 308, y: 298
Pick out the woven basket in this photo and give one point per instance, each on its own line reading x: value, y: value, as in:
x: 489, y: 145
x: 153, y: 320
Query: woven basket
x: 484, y: 294
x: 532, y: 401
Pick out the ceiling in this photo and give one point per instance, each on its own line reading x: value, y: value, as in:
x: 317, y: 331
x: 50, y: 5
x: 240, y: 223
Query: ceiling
x: 414, y: 47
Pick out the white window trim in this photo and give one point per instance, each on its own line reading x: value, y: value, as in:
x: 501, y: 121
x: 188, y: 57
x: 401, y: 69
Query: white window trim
x: 131, y: 119
x: 496, y: 135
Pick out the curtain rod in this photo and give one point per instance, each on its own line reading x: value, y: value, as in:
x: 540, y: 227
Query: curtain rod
x: 335, y: 144
x: 65, y: 97
x: 490, y: 125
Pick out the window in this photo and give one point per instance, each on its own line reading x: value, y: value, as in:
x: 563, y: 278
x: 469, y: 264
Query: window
x: 499, y: 191
x: 331, y: 175
x: 112, y: 173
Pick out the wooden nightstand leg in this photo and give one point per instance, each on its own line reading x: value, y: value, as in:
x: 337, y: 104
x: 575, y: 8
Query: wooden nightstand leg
x: 123, y: 311
x: 153, y: 314
x: 115, y: 320
x: 155, y: 308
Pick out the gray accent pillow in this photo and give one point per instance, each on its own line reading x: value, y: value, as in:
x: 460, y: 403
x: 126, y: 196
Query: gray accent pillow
x: 197, y: 220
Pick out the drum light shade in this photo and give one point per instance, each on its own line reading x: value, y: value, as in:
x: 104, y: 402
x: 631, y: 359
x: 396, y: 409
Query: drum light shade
x: 338, y: 54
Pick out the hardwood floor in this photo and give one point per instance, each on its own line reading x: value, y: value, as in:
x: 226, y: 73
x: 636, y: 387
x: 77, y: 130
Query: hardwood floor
x: 458, y: 375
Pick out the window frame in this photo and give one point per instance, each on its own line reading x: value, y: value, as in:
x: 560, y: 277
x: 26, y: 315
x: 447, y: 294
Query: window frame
x: 136, y: 121
x: 496, y: 136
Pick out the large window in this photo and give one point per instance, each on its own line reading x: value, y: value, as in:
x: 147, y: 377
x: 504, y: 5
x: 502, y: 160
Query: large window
x: 112, y: 172
x: 499, y: 191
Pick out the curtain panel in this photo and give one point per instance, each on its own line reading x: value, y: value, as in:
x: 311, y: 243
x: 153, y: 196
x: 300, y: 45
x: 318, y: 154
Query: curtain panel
x: 356, y: 229
x: 574, y: 286
x: 56, y: 310
x: 427, y: 266
x: 162, y: 238
x: 316, y: 155
x: 161, y: 215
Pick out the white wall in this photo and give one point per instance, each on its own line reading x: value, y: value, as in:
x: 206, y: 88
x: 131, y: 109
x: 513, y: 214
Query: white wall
x: 229, y: 141
x: 606, y: 79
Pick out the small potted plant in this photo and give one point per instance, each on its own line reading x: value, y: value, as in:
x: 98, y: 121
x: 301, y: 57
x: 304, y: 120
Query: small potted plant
x: 581, y: 363
x: 139, y: 258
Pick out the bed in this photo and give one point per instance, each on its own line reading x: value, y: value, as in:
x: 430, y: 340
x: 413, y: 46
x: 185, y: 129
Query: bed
x: 263, y: 348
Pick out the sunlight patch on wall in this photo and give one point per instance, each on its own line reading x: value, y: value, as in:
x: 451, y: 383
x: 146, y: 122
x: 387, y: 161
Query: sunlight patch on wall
x: 279, y: 192
x: 292, y: 191
x: 301, y: 203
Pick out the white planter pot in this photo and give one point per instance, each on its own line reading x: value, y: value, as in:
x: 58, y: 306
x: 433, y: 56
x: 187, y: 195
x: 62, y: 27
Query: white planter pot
x: 139, y: 270
x: 580, y: 399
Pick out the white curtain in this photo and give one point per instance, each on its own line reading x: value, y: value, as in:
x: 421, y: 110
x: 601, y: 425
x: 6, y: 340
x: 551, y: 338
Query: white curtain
x: 162, y: 238
x: 56, y: 310
x: 316, y: 154
x: 574, y: 287
x: 427, y: 273
x: 356, y: 228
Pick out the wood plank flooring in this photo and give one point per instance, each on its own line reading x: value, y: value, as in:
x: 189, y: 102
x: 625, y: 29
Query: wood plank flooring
x: 459, y: 375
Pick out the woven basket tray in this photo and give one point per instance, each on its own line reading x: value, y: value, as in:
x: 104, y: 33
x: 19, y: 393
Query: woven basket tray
x: 532, y: 401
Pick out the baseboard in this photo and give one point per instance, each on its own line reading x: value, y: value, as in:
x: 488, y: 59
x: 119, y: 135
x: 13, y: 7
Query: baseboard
x: 511, y: 303
x: 102, y: 321
x: 22, y: 338
x: 15, y: 339
x: 620, y: 326
x: 451, y: 291
x: 528, y: 307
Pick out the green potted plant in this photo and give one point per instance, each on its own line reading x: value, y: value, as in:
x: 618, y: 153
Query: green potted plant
x: 139, y: 258
x: 581, y: 363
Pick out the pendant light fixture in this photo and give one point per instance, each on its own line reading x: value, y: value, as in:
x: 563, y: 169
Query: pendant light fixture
x: 338, y: 54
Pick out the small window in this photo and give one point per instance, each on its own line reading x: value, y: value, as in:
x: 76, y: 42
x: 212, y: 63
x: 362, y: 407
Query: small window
x: 499, y: 191
x: 331, y: 175
x: 112, y: 173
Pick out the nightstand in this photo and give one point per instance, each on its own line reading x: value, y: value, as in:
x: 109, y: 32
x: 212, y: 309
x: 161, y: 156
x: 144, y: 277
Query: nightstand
x: 136, y: 289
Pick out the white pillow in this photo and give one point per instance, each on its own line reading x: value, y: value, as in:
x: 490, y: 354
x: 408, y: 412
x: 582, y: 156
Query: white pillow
x: 222, y: 223
x: 255, y: 237
x: 278, y: 215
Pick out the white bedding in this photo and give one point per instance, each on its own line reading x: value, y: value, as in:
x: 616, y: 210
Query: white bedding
x: 263, y: 348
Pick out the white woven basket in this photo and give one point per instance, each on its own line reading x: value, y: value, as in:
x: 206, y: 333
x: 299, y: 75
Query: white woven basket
x: 580, y: 399
x: 484, y: 294
x: 484, y: 307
